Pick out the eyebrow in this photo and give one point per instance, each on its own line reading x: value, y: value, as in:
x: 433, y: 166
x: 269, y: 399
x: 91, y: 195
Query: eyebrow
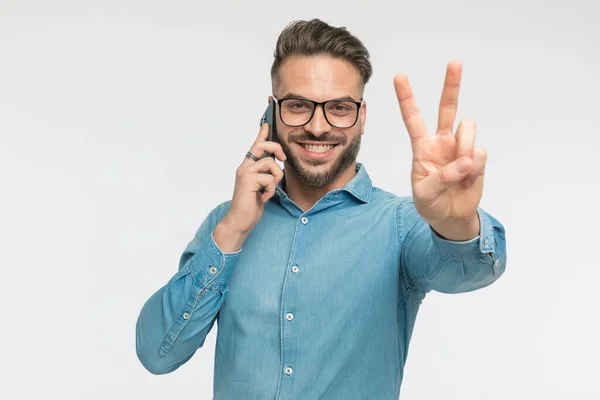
x: 298, y: 96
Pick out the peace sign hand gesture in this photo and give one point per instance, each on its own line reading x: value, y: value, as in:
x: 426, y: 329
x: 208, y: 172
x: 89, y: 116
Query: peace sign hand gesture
x: 447, y: 170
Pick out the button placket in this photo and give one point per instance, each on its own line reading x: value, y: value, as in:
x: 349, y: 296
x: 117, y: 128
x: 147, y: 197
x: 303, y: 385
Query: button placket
x: 289, y: 341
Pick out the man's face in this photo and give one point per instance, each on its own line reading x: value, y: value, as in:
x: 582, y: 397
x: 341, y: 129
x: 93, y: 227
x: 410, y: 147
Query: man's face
x: 318, y: 152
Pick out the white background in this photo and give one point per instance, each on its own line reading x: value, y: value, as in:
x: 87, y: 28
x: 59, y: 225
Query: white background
x: 119, y: 133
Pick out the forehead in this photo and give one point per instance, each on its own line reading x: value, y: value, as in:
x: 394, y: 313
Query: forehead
x: 319, y: 78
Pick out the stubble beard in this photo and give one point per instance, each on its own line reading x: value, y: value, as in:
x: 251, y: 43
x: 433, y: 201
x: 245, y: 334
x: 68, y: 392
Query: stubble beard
x: 312, y: 179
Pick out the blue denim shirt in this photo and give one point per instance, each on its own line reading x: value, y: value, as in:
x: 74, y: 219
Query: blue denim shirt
x: 315, y: 305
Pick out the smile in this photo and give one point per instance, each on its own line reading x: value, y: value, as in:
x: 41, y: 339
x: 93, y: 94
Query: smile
x: 320, y: 148
x: 320, y: 152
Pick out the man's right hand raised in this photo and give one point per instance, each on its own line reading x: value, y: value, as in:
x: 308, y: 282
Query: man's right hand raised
x: 248, y: 201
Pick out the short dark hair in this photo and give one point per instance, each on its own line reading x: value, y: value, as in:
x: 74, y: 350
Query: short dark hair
x: 315, y: 37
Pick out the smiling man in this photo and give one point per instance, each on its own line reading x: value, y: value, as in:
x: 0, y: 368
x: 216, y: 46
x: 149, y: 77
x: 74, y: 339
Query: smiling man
x: 313, y: 275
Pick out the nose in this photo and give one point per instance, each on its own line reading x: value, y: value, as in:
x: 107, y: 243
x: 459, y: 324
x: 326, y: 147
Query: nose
x: 318, y: 125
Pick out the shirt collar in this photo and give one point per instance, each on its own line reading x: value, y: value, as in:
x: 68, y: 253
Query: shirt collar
x: 359, y: 186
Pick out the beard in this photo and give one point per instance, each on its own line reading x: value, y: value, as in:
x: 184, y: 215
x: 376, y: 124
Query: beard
x: 318, y: 179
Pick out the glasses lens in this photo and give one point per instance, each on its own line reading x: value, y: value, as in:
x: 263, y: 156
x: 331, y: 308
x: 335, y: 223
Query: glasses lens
x: 341, y: 114
x: 297, y: 112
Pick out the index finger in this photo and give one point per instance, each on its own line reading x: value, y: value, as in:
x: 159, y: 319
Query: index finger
x: 263, y: 134
x: 408, y: 107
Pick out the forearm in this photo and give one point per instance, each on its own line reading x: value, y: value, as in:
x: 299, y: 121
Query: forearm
x: 174, y: 321
x: 227, y: 237
x: 433, y: 262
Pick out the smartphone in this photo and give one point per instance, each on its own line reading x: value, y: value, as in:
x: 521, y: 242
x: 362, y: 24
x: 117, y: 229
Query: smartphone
x: 269, y: 117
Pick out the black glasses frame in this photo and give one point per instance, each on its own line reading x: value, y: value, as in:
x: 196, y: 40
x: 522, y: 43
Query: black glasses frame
x: 322, y: 104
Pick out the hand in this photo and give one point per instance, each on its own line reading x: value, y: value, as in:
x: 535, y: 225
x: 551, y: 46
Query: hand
x: 447, y: 170
x: 247, y: 203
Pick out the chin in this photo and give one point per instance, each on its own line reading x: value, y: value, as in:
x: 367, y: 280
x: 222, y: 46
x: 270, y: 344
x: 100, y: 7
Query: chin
x: 317, y: 173
x: 316, y: 170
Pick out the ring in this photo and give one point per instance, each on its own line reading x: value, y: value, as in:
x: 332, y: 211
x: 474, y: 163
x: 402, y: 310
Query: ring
x: 252, y: 156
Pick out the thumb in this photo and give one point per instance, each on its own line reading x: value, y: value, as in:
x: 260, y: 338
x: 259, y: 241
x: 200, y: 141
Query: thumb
x: 436, y: 183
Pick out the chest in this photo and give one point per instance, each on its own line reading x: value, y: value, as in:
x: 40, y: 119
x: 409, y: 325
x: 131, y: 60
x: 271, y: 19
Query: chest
x: 322, y: 263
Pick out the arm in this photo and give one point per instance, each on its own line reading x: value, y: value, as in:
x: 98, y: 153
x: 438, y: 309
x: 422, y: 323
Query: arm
x: 431, y: 262
x: 447, y: 184
x: 174, y: 321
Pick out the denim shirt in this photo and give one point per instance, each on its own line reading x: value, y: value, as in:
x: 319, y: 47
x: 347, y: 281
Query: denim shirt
x: 315, y: 305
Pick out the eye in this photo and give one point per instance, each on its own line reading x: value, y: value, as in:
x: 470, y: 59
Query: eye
x: 341, y: 107
x: 298, y: 105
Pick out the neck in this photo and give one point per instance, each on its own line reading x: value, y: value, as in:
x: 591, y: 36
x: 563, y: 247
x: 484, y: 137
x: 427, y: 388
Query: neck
x: 306, y: 196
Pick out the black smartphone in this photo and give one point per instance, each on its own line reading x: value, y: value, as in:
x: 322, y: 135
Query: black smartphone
x: 269, y: 117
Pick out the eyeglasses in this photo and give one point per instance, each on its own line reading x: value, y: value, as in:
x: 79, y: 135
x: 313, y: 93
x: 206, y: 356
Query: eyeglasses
x: 340, y: 114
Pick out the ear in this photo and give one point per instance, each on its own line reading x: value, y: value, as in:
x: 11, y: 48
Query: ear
x: 362, y: 115
x: 270, y: 99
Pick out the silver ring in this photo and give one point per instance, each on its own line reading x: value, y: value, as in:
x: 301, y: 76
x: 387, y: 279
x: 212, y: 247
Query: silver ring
x: 252, y: 156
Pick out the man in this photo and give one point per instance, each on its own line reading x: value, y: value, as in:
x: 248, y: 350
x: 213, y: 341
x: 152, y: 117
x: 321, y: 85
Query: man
x: 315, y: 276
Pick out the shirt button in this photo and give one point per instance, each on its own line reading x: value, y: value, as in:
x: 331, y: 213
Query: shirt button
x: 186, y: 315
x: 289, y: 316
x: 486, y: 242
x: 212, y: 270
x: 496, y: 263
x: 288, y: 371
x: 304, y: 220
x: 295, y: 268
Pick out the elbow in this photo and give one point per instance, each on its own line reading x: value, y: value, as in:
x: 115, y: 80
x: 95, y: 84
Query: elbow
x: 150, y: 359
x: 147, y: 351
x: 158, y: 364
x: 152, y: 364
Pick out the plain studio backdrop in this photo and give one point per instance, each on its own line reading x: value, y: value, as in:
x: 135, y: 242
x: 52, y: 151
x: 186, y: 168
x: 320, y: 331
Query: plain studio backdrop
x: 122, y: 124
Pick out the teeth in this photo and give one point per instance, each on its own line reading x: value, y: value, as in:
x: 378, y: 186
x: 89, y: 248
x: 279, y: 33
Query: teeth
x: 317, y: 148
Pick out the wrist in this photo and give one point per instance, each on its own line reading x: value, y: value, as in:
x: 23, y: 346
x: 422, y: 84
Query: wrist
x: 228, y: 237
x: 457, y: 229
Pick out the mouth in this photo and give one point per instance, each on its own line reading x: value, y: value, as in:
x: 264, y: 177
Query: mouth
x: 318, y: 151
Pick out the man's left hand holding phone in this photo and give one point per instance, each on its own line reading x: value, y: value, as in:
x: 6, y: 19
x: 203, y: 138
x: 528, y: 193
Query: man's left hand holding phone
x: 255, y: 184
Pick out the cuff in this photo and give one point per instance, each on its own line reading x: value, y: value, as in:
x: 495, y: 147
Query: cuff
x: 212, y: 266
x: 481, y: 244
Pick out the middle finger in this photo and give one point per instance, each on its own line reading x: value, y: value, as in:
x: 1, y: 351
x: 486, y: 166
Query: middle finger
x: 449, y: 100
x: 267, y: 165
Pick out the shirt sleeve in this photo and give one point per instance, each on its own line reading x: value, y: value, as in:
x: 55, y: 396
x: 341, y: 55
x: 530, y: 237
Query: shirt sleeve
x: 174, y: 321
x: 430, y: 262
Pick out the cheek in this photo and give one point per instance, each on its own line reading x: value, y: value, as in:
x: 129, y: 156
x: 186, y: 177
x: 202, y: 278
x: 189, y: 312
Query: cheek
x: 282, y: 133
x: 353, y: 132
